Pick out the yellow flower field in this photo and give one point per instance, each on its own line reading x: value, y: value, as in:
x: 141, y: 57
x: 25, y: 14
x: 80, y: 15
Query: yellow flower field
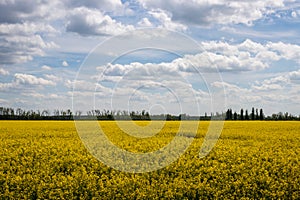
x: 251, y: 160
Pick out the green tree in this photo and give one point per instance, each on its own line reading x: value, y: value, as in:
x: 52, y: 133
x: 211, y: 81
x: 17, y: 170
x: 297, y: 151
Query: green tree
x: 235, y: 116
x: 252, y: 114
x: 242, y: 114
x: 246, y: 115
x: 261, y: 114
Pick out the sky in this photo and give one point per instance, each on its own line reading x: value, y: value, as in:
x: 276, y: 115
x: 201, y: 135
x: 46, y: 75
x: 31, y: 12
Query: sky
x: 161, y: 56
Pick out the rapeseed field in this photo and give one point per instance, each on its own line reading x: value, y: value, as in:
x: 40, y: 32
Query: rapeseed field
x: 251, y: 160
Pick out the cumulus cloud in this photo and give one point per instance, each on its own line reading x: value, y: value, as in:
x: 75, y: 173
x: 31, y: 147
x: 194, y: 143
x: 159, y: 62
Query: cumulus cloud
x: 85, y: 21
x: 41, y: 95
x: 286, y: 50
x: 22, y: 42
x: 231, y: 89
x: 267, y: 87
x: 84, y: 85
x: 46, y: 67
x: 4, y: 72
x: 28, y: 79
x: 294, y: 14
x: 5, y: 86
x: 3, y: 101
x: 114, y: 6
x: 216, y: 56
x: 28, y: 10
x: 208, y: 61
x: 211, y: 12
x: 278, y: 83
x: 145, y: 23
x: 23, y: 26
x: 166, y: 21
x: 53, y: 78
x: 26, y: 26
x: 21, y: 79
x: 295, y: 75
x: 65, y: 63
x: 258, y: 55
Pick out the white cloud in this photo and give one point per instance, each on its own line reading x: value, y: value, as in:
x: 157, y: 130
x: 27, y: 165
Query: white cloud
x: 277, y: 80
x: 26, y: 28
x: 6, y: 86
x: 267, y: 87
x: 166, y: 21
x: 3, y: 101
x: 286, y: 50
x: 230, y: 88
x: 145, y: 23
x: 53, y: 78
x: 4, y: 72
x: 34, y: 95
x: 85, y: 86
x: 208, y: 61
x: 255, y: 55
x: 205, y: 13
x: 114, y: 6
x: 295, y: 75
x: 22, y: 42
x: 28, y: 79
x: 29, y: 10
x: 221, y: 56
x: 294, y: 14
x: 65, y: 63
x: 281, y: 82
x: 85, y: 21
x: 41, y: 95
x: 46, y: 67
x: 54, y: 96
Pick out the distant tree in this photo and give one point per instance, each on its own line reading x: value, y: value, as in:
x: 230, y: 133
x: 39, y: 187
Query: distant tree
x: 235, y: 116
x: 228, y: 114
x: 147, y: 116
x: 182, y: 117
x: 56, y: 112
x: 286, y: 116
x: 78, y: 113
x: 280, y: 116
x: 19, y: 112
x: 69, y: 114
x: 246, y: 115
x: 261, y: 114
x: 45, y: 113
x: 252, y: 114
x: 12, y: 112
x: 274, y: 117
x: 169, y: 117
x: 242, y: 114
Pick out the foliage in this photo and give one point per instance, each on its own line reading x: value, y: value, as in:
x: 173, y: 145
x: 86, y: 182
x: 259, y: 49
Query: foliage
x: 20, y: 114
x: 46, y: 160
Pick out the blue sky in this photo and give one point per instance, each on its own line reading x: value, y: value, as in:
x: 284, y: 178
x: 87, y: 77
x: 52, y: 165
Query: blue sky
x: 103, y: 54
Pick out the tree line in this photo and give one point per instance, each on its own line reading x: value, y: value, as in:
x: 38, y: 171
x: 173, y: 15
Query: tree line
x: 243, y: 114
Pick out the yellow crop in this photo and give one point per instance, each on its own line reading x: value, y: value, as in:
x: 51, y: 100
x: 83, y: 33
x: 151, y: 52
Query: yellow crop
x: 251, y: 160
